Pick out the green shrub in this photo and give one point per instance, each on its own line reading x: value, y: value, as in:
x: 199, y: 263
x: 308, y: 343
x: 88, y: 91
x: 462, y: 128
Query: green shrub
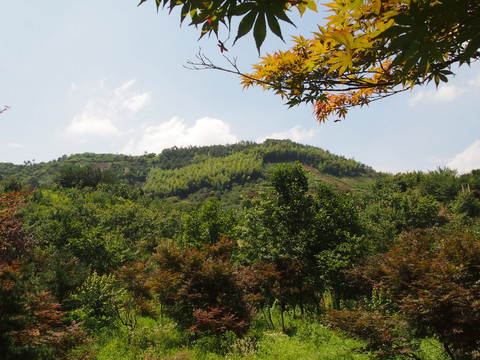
x: 95, y: 301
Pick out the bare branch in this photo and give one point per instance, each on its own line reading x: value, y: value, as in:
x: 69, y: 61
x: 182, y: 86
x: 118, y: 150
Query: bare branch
x: 204, y: 63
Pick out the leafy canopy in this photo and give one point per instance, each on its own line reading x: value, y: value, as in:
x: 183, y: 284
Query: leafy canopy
x: 255, y: 15
x: 368, y: 49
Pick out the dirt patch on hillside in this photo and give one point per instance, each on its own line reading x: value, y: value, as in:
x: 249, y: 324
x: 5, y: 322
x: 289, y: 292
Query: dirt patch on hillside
x: 327, y: 178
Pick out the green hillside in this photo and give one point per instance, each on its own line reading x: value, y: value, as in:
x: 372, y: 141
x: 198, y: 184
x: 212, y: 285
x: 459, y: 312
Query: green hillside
x: 184, y: 171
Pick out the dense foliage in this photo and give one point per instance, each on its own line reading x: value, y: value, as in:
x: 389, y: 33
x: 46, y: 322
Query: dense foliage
x: 430, y: 281
x: 32, y: 323
x: 367, y: 50
x: 216, y: 173
x: 267, y: 263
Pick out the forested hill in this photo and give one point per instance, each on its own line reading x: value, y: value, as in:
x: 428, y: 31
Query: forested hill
x: 183, y: 171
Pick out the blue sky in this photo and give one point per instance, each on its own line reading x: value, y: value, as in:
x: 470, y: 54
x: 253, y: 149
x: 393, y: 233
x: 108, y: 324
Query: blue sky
x: 109, y: 77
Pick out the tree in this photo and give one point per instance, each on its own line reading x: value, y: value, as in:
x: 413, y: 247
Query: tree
x: 309, y: 239
x: 432, y: 279
x: 31, y: 321
x: 387, y: 213
x: 255, y: 14
x: 368, y: 50
x: 95, y: 301
x: 83, y: 176
x: 201, y: 289
x: 337, y: 245
x: 10, y: 184
x: 277, y: 232
x: 208, y: 224
x: 465, y: 203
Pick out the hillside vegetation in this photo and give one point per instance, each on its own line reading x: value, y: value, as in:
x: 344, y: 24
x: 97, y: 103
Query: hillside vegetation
x: 245, y: 251
x: 134, y: 170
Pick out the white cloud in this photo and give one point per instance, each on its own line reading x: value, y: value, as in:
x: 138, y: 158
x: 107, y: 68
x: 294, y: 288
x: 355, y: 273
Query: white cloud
x: 121, y: 89
x: 136, y: 102
x: 104, y: 115
x: 123, y: 99
x: 475, y: 82
x: 15, y: 145
x: 468, y: 159
x: 175, y: 132
x: 443, y: 93
x: 101, y: 83
x: 92, y: 122
x: 296, y: 134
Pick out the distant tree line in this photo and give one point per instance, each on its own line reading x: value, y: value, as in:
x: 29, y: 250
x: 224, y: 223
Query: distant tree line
x: 134, y: 170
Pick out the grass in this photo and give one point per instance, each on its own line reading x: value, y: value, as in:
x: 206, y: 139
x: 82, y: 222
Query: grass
x: 305, y: 339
